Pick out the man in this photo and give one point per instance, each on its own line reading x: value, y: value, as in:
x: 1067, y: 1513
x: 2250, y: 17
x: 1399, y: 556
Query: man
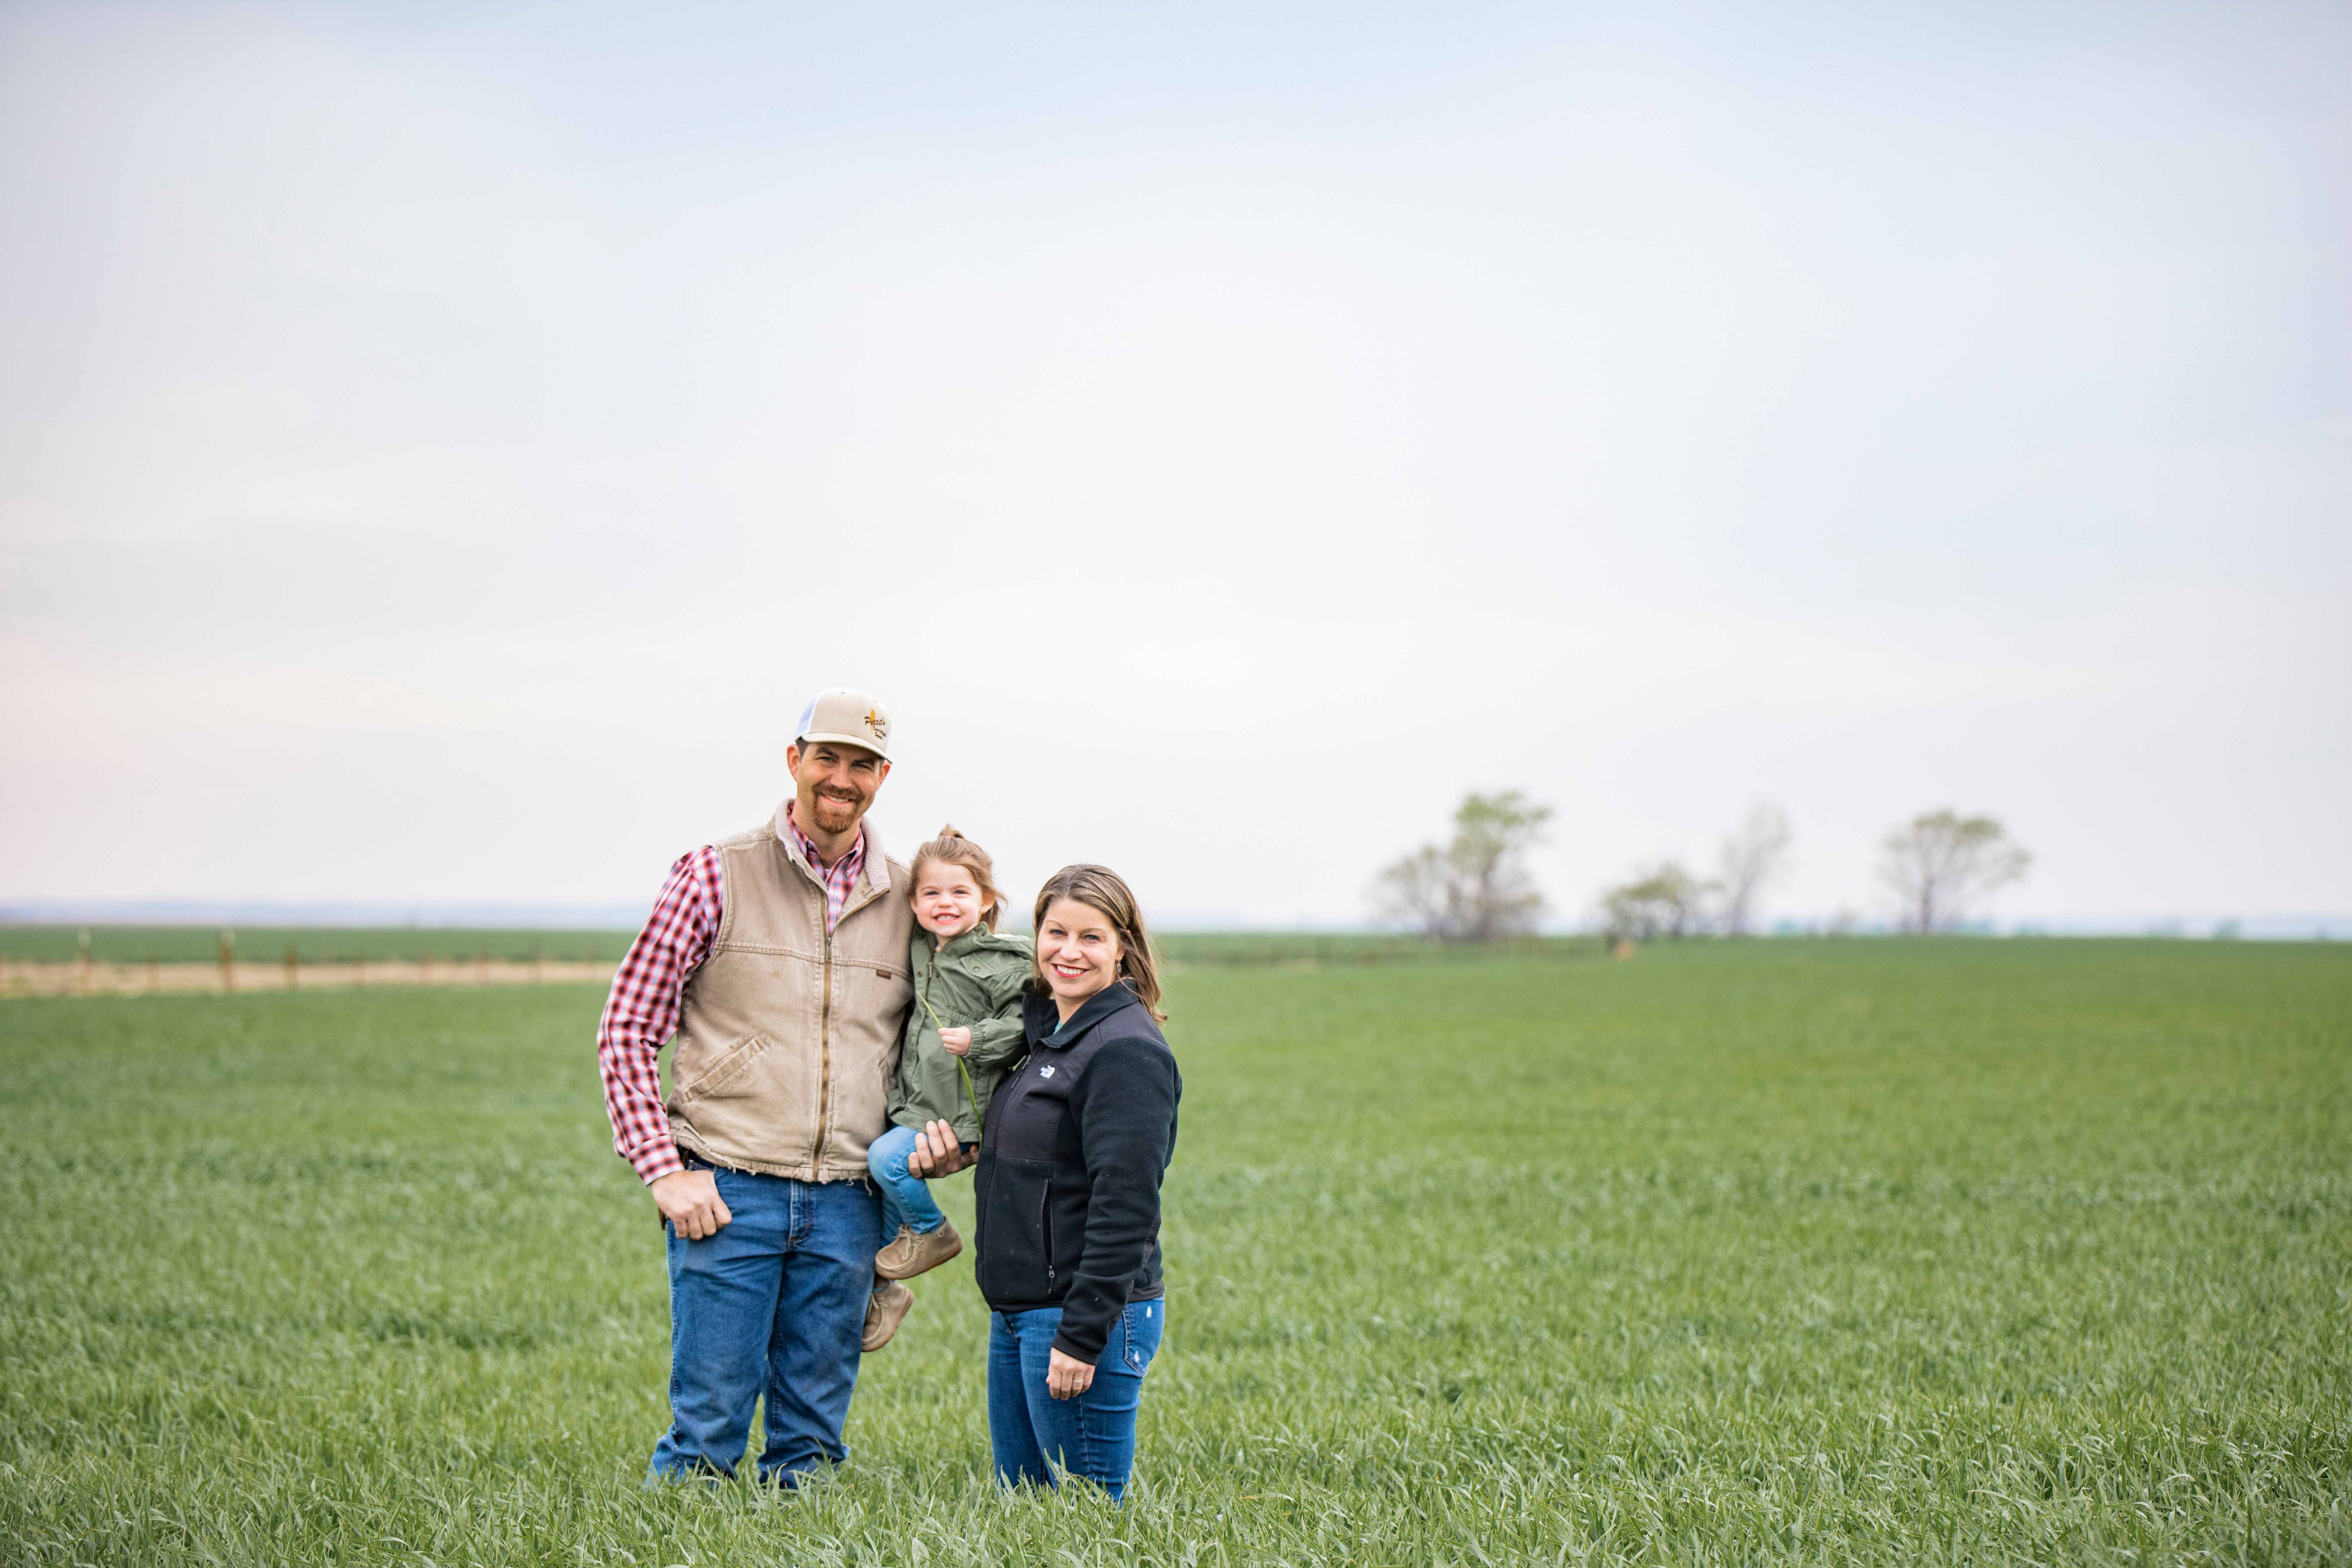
x: 778, y: 960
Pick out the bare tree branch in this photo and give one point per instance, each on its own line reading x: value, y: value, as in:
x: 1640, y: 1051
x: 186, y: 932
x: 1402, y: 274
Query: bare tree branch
x: 1750, y: 858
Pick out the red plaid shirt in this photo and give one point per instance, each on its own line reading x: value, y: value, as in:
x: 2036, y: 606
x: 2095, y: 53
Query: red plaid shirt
x: 649, y: 992
x: 838, y: 879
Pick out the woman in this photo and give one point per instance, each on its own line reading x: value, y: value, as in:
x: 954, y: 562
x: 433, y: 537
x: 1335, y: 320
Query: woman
x: 1071, y: 1153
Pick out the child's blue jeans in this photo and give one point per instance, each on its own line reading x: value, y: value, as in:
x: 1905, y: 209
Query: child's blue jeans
x: 905, y: 1197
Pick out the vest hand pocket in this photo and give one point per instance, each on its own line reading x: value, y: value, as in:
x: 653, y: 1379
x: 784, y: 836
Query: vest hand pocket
x: 728, y: 1066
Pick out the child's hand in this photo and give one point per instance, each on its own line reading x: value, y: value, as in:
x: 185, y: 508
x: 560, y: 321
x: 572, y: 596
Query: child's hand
x: 957, y: 1040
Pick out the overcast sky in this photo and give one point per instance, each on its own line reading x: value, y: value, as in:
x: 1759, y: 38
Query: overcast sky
x: 441, y: 448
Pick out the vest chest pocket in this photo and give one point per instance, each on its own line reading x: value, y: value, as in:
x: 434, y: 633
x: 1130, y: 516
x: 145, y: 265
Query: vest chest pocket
x: 865, y: 984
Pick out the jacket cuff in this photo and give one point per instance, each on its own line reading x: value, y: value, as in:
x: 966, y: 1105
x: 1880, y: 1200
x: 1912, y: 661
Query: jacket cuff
x: 1084, y: 1330
x: 994, y: 1041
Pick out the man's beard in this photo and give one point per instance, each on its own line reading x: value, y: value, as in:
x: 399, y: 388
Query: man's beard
x: 835, y: 814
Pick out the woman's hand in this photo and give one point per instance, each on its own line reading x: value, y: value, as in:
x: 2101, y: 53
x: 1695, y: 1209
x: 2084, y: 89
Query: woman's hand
x: 958, y: 1040
x: 1067, y: 1376
x: 937, y: 1151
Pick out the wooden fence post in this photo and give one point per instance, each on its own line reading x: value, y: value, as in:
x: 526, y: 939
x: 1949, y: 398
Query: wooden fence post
x: 228, y: 959
x: 154, y: 971
x: 81, y: 960
x: 293, y: 966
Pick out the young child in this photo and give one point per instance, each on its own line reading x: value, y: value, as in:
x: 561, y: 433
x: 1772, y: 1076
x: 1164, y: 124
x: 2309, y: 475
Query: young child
x: 962, y: 1033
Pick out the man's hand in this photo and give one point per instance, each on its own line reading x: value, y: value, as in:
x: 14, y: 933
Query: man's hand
x: 958, y: 1040
x: 689, y: 1200
x: 937, y: 1151
x: 1067, y: 1376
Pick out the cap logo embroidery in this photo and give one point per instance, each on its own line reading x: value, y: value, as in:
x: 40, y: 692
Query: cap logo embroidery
x: 878, y: 724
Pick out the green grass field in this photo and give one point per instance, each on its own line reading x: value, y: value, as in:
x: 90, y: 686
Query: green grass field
x: 1837, y: 1251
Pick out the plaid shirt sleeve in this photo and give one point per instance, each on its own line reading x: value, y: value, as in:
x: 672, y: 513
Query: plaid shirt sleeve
x: 641, y: 1013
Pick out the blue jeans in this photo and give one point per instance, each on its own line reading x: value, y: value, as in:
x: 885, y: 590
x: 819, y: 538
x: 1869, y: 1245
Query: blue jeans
x: 1035, y: 1435
x: 773, y: 1303
x: 905, y: 1197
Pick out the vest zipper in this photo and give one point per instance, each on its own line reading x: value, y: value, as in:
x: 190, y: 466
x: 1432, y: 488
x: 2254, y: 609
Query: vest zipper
x: 824, y: 1057
x: 824, y: 1038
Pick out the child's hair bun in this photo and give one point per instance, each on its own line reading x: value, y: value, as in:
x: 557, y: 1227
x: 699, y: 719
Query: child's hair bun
x: 946, y: 830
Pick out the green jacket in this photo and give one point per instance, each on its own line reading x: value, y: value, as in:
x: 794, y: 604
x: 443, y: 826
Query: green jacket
x: 974, y: 983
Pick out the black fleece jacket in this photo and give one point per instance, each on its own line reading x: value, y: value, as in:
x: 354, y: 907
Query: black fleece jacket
x: 1071, y: 1153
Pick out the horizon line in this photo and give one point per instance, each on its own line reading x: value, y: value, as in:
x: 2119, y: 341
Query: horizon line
x: 590, y: 915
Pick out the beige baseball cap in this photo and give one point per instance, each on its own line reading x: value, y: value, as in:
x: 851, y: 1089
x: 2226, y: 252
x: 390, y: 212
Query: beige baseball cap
x: 848, y: 717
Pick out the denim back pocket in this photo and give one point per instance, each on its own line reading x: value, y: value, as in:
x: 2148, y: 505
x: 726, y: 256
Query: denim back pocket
x: 1140, y: 1327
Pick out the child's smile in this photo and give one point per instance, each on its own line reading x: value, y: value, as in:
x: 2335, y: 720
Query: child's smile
x: 947, y: 900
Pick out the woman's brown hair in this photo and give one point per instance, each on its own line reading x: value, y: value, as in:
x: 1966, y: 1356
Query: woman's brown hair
x: 1101, y: 889
x: 952, y: 848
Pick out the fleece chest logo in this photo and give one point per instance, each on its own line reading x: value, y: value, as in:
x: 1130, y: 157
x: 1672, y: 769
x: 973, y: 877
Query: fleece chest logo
x: 1045, y: 1072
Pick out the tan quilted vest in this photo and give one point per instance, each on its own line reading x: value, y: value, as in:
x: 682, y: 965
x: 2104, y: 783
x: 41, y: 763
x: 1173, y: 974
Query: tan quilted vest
x: 789, y: 1038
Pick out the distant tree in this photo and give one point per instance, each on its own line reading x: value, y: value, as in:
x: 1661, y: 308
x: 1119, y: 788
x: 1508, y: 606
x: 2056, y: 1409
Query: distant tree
x: 1942, y: 862
x: 1749, y: 859
x: 1418, y: 890
x: 1664, y: 902
x: 1476, y: 887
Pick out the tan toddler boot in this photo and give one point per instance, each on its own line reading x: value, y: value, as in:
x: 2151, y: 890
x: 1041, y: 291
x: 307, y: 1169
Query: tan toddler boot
x: 885, y: 1310
x: 911, y: 1253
